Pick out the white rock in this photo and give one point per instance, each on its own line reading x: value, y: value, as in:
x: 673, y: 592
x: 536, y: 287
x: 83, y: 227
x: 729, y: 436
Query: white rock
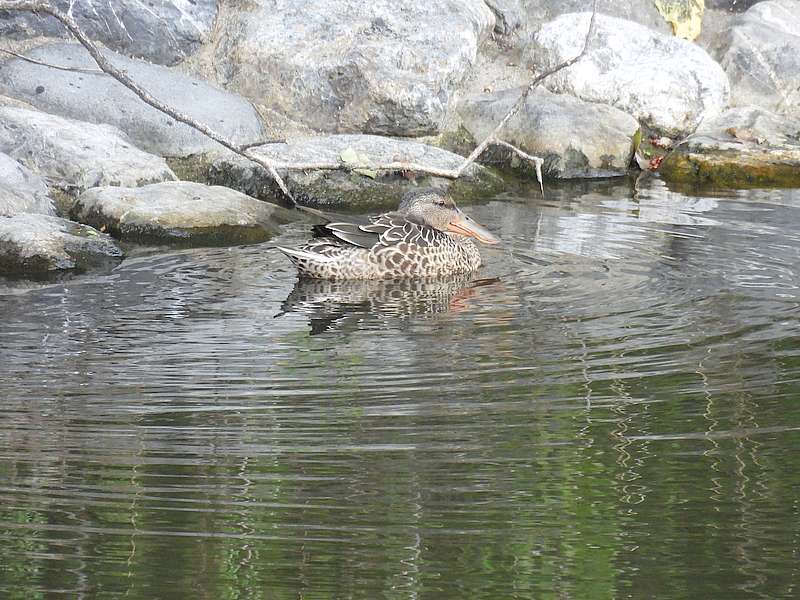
x: 667, y: 83
x: 761, y: 55
x: 74, y: 155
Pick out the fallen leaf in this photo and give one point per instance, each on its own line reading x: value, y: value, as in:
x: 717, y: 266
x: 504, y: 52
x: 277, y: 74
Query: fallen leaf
x: 349, y: 156
x: 356, y: 161
x: 744, y: 134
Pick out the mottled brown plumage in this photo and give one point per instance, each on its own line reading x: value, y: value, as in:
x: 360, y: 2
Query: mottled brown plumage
x: 426, y: 237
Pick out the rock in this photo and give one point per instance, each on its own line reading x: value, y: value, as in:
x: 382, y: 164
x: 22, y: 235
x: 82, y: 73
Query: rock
x: 22, y: 191
x: 643, y: 12
x: 180, y: 212
x: 669, y: 84
x: 99, y: 98
x: 575, y: 138
x: 509, y: 15
x: 73, y: 155
x: 340, y: 189
x: 745, y: 146
x: 388, y: 66
x: 164, y: 32
x: 716, y: 23
x: 761, y: 55
x: 33, y: 244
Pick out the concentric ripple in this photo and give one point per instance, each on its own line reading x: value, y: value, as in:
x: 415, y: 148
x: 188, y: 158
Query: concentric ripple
x: 609, y: 408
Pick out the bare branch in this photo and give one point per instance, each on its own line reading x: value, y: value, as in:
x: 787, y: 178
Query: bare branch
x: 244, y: 147
x: 392, y: 166
x: 537, y: 162
x: 479, y: 149
x: 39, y: 6
x: 50, y: 66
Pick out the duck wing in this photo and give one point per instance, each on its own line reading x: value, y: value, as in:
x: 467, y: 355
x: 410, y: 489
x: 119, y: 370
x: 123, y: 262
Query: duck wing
x: 384, y: 230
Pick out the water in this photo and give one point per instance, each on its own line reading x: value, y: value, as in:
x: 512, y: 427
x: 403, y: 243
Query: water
x: 609, y: 409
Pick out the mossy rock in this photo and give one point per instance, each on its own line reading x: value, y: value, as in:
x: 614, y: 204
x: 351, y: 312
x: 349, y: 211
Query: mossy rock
x: 32, y: 244
x: 732, y: 169
x: 743, y: 147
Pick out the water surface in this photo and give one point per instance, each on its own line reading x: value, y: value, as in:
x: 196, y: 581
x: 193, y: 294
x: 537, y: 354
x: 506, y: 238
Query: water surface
x: 610, y: 408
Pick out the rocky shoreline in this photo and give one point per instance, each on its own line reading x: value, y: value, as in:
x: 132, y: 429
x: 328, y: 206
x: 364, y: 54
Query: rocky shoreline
x: 388, y: 82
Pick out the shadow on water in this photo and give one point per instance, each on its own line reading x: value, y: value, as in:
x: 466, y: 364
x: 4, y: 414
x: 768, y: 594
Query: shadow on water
x: 608, y: 408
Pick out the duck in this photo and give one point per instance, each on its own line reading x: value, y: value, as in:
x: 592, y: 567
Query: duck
x: 427, y: 236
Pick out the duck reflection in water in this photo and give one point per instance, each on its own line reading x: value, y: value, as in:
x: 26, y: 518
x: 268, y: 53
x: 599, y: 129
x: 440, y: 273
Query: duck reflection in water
x: 419, y: 259
x: 332, y: 305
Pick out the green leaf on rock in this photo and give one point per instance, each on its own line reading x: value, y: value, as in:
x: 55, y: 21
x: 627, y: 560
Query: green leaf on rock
x: 353, y: 159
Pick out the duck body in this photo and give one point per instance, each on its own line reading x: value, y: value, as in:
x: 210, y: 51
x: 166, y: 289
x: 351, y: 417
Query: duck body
x: 400, y: 248
x: 427, y: 237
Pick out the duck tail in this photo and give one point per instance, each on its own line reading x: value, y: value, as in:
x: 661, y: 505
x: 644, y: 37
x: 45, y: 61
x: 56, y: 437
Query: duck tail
x: 296, y: 255
x: 304, y: 258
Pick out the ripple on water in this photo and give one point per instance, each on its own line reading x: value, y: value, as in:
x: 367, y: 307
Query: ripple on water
x: 608, y: 408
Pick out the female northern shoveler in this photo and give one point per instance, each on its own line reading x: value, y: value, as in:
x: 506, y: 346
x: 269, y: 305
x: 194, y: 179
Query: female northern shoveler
x: 428, y: 236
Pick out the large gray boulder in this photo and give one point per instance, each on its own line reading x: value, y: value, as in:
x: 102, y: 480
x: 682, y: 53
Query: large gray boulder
x: 99, y: 98
x: 644, y: 12
x: 180, y: 212
x: 387, y: 66
x: 35, y: 244
x: 365, y: 189
x: 575, y: 138
x: 667, y: 83
x: 761, y: 55
x: 744, y: 146
x: 74, y: 156
x: 21, y: 190
x: 164, y: 32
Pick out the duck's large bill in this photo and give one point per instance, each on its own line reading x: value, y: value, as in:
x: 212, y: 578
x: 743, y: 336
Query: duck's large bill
x: 464, y: 225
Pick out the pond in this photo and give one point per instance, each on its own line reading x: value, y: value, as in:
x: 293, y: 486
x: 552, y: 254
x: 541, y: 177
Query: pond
x: 609, y: 408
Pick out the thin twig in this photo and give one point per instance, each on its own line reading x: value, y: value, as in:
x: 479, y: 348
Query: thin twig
x: 244, y: 147
x: 51, y: 66
x: 537, y: 162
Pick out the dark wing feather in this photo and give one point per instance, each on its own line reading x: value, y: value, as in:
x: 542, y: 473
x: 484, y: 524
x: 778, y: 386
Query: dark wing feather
x: 393, y: 229
x: 350, y: 233
x: 387, y: 230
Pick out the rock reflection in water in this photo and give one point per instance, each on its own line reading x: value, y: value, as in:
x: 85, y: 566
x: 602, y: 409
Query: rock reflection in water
x: 337, y: 305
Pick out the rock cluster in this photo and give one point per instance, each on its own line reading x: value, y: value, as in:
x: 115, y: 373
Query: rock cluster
x: 350, y: 87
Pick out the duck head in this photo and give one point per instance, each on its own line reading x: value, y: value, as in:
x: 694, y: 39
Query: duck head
x: 435, y: 209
